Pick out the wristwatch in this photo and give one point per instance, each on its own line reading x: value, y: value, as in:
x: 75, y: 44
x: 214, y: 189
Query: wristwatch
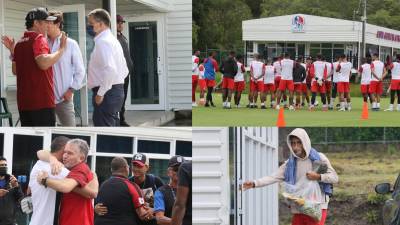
x: 44, y: 182
x: 254, y: 184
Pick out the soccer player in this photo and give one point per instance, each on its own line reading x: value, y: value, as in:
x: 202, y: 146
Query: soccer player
x: 195, y: 75
x: 269, y: 86
x: 202, y: 84
x: 239, y: 80
x: 379, y: 72
x: 211, y: 67
x: 299, y: 76
x: 257, y: 70
x: 328, y: 82
x: 343, y: 86
x: 335, y: 80
x: 365, y: 72
x: 395, y: 83
x: 286, y: 82
x: 229, y: 69
x: 319, y: 74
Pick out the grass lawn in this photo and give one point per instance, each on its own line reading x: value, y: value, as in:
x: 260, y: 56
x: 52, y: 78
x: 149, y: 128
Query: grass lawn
x: 359, y: 172
x: 218, y: 116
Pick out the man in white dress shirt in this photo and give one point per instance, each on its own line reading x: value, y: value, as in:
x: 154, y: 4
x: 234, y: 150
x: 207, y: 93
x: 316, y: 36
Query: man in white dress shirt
x: 106, y: 71
x: 69, y: 71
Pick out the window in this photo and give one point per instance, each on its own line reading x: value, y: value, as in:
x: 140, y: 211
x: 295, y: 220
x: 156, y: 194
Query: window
x: 114, y: 144
x: 184, y: 148
x: 72, y: 136
x: 103, y: 167
x: 371, y: 49
x: 158, y: 167
x: 159, y: 147
x: 24, y: 153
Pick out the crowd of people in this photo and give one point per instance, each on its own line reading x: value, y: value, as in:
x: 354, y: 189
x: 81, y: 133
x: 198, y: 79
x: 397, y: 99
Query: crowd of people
x: 49, y: 68
x: 290, y: 83
x: 63, y: 190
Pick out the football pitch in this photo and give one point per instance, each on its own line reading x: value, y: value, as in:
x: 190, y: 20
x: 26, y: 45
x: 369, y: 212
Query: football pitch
x: 210, y: 116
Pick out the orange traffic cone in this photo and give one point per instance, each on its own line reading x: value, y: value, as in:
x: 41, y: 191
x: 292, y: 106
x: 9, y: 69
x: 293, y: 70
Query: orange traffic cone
x: 364, y: 114
x: 281, y: 119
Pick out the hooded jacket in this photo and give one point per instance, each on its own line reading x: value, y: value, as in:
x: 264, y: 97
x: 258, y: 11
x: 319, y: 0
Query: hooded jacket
x: 304, y: 165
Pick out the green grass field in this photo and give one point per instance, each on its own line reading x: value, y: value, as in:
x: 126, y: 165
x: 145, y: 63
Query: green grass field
x: 218, y: 116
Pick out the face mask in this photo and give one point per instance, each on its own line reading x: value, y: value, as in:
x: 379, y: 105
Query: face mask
x: 3, y: 171
x: 90, y: 31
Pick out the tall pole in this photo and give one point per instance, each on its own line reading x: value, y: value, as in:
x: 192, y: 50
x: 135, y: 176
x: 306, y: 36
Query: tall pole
x: 364, y: 22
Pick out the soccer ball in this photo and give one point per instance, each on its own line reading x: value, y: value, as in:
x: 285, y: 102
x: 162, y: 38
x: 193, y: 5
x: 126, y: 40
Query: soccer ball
x: 202, y: 101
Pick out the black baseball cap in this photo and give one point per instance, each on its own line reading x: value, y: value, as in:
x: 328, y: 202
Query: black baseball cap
x: 39, y: 14
x: 140, y: 160
x: 176, y: 161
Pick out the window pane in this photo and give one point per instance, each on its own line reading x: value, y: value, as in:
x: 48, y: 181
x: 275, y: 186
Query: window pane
x: 289, y: 45
x: 314, y: 52
x: 338, y: 45
x: 315, y: 45
x: 24, y: 153
x: 71, y: 136
x: 326, y: 45
x: 327, y: 53
x: 158, y: 167
x: 184, y: 148
x: 116, y: 144
x: 103, y: 167
x: 153, y: 147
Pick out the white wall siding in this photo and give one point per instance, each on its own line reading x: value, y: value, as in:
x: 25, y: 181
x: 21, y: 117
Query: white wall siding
x: 210, y: 176
x: 179, y: 48
x: 257, y: 156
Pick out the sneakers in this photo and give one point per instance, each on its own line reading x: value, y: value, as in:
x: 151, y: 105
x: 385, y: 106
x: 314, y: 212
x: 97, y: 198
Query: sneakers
x: 194, y: 104
x: 291, y: 108
x: 390, y: 109
x: 277, y: 107
x: 263, y: 107
x: 342, y: 109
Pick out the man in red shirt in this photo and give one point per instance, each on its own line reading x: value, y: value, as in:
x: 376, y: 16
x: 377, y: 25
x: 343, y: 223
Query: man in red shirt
x: 32, y: 64
x: 75, y: 209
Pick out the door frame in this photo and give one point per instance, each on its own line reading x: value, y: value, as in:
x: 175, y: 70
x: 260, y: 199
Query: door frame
x: 80, y: 9
x: 161, y: 67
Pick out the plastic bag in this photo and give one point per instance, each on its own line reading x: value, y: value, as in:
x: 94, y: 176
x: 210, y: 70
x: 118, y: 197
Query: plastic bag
x: 306, y: 197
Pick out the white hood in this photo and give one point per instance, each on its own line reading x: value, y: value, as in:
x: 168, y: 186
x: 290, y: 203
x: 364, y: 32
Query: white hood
x: 305, y: 140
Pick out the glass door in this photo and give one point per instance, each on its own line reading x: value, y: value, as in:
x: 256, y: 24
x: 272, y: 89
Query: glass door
x: 146, y: 91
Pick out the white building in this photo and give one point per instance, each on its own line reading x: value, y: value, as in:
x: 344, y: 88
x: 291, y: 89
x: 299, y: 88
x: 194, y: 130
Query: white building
x: 19, y: 147
x: 160, y: 38
x: 222, y: 159
x: 307, y: 35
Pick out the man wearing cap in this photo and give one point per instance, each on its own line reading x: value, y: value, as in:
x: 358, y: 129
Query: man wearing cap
x: 123, y: 199
x: 165, y: 196
x: 182, y: 210
x: 32, y: 64
x: 124, y: 44
x: 148, y: 183
x: 106, y: 71
x: 69, y: 71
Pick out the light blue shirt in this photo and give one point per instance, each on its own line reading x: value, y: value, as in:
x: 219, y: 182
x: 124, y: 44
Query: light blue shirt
x: 159, y: 204
x: 69, y: 70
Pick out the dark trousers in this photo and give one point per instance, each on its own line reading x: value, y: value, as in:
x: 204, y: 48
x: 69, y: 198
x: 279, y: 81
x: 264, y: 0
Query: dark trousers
x: 38, y: 118
x: 126, y: 85
x: 107, y: 113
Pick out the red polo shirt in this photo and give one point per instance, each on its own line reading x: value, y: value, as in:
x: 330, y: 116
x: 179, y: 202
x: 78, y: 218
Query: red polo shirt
x: 35, y: 87
x: 76, y: 209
